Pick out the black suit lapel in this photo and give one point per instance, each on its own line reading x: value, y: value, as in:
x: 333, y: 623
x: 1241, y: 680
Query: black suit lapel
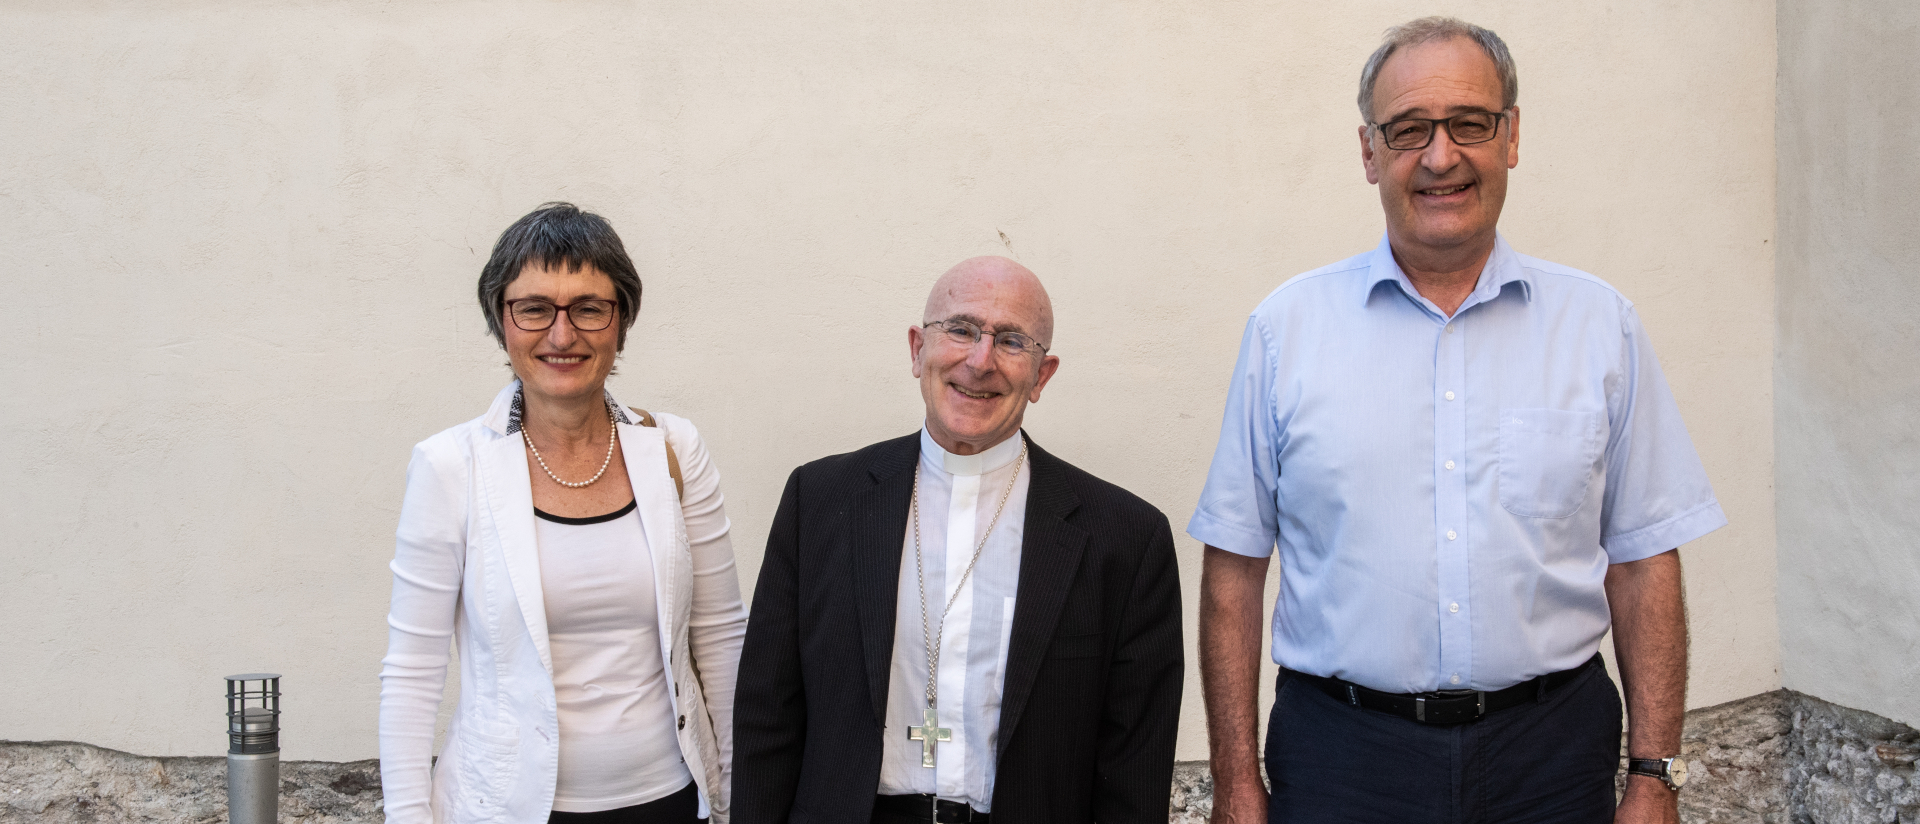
x: 1049, y: 557
x: 879, y: 525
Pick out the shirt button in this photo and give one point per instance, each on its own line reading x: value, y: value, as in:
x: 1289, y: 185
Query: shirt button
x: 1453, y: 607
x: 1449, y: 328
x: 1449, y: 396
x: 1452, y: 535
x: 1449, y: 464
x: 1456, y: 679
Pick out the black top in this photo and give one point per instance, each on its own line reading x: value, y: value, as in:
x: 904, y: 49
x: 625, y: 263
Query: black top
x: 592, y: 519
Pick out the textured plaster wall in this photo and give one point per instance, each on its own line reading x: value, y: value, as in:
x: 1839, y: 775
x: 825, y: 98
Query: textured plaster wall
x: 243, y: 240
x: 1847, y: 375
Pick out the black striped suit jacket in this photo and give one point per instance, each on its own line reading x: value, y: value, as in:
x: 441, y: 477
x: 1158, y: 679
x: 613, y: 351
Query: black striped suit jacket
x: 1091, y: 696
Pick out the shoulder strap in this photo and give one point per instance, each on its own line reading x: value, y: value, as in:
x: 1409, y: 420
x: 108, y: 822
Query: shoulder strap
x: 673, y: 461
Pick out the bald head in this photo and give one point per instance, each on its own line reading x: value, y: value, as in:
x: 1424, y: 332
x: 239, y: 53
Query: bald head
x: 977, y: 392
x: 1011, y: 291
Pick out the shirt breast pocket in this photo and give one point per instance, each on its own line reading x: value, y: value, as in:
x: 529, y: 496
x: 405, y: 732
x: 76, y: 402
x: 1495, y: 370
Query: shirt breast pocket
x: 1548, y: 458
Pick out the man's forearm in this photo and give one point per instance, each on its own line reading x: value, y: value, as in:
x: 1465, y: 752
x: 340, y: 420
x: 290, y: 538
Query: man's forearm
x: 1650, y: 646
x: 1232, y: 598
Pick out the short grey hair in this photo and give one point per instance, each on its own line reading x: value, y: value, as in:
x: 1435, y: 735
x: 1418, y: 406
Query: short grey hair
x: 558, y: 235
x: 1428, y: 29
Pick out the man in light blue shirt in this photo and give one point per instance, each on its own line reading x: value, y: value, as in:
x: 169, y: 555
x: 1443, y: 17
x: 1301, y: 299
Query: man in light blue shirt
x: 1472, y: 468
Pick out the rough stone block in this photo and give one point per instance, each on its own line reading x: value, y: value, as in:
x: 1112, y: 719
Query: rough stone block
x: 1775, y: 758
x: 1192, y: 793
x: 60, y: 782
x: 1735, y: 753
x: 1846, y: 766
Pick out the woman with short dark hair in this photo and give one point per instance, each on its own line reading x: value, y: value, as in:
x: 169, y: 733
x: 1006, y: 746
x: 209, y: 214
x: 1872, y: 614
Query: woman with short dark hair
x: 578, y: 556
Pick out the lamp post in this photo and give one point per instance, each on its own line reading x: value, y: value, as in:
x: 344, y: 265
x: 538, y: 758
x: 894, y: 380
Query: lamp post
x: 253, y: 748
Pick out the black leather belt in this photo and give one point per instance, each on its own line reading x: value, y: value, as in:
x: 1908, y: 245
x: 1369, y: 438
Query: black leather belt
x: 1445, y: 706
x: 931, y: 809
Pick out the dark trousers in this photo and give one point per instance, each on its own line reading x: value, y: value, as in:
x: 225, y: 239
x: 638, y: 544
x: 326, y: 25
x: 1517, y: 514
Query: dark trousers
x: 683, y: 807
x: 1551, y: 761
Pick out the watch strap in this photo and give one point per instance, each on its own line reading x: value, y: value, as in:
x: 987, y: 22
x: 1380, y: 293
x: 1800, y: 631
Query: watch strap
x: 1655, y: 767
x: 1671, y: 771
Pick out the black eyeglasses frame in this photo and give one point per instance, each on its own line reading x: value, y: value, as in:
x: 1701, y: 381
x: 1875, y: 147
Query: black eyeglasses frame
x: 612, y: 314
x: 1434, y: 124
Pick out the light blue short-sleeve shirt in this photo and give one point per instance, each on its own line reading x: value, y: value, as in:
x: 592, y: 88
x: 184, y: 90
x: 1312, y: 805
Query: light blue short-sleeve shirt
x: 1446, y: 494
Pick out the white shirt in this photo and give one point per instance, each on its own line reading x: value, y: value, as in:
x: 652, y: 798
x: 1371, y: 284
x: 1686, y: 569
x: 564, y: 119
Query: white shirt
x: 957, y: 498
x: 616, y: 720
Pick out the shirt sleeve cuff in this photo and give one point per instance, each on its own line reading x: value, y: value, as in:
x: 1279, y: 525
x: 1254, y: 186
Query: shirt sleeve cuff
x: 1233, y: 538
x: 1649, y: 541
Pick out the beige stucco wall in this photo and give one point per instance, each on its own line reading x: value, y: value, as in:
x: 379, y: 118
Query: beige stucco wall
x: 1847, y: 379
x: 243, y: 240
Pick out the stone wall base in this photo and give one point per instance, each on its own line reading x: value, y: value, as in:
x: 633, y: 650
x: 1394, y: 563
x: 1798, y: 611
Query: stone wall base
x: 1776, y: 758
x: 61, y: 782
x: 1845, y: 765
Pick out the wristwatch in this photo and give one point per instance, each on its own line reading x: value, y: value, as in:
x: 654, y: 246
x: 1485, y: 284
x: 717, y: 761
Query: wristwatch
x: 1671, y: 771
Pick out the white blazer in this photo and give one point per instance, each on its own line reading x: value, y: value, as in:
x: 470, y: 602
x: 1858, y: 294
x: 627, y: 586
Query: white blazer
x: 466, y: 570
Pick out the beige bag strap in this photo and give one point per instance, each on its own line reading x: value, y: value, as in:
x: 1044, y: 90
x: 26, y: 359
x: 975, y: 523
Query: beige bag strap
x: 679, y: 486
x: 673, y: 461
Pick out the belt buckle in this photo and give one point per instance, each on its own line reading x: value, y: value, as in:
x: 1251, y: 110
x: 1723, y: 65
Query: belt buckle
x: 1479, y: 702
x: 960, y: 812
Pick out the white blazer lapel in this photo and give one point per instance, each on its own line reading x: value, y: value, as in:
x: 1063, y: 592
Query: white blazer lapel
x: 509, y: 490
x: 645, y: 450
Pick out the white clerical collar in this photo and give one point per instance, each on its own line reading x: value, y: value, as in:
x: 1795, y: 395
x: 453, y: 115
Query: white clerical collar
x: 996, y: 456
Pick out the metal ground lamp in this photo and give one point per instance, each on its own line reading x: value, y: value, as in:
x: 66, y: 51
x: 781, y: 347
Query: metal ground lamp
x: 253, y: 748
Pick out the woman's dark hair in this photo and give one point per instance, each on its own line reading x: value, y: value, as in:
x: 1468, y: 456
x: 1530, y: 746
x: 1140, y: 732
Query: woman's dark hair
x: 553, y: 236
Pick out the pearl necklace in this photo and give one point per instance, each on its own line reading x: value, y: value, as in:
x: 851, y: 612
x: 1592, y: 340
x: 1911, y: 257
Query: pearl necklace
x: 613, y: 437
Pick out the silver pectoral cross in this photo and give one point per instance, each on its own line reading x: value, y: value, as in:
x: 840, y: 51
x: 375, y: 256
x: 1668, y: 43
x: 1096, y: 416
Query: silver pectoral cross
x: 929, y: 735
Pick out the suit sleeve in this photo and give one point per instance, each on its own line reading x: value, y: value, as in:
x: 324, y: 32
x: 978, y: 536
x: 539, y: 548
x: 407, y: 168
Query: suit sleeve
x: 1135, y: 757
x: 769, y: 710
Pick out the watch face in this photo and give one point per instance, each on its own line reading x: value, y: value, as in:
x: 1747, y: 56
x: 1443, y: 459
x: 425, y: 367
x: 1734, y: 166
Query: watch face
x: 1677, y: 771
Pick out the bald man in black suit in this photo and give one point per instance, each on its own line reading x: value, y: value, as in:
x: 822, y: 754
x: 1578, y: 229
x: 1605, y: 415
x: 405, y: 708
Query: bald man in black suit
x: 1059, y: 707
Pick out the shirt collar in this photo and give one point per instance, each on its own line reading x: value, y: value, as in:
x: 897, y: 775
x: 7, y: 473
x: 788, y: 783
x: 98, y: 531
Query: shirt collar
x: 510, y: 406
x: 1503, y: 267
x: 993, y: 458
